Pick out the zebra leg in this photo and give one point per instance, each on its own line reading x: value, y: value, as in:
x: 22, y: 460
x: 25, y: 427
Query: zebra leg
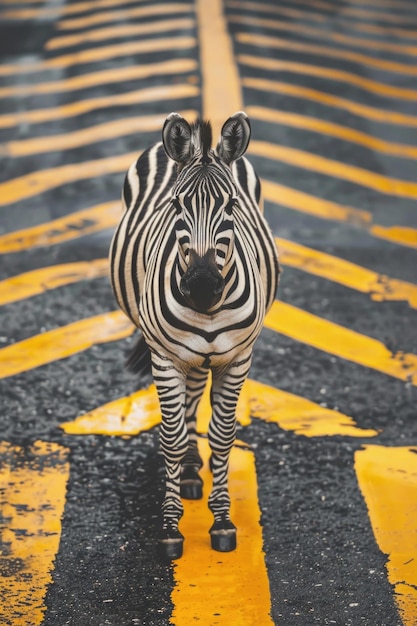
x: 191, y: 483
x: 170, y: 385
x: 222, y: 434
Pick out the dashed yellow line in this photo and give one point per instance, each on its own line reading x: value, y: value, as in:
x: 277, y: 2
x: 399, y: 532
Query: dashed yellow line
x: 33, y: 482
x: 388, y: 480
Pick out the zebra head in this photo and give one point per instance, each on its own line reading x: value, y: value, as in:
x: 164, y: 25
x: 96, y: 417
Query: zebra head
x: 204, y: 196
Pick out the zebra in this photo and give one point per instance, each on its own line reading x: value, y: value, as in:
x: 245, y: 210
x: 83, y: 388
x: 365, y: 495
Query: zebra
x: 194, y: 265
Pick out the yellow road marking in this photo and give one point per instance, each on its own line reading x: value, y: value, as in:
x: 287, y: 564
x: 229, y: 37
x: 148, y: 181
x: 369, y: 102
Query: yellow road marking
x: 337, y: 169
x: 388, y: 481
x: 131, y: 415
x: 325, y: 127
x: 207, y: 581
x: 326, y: 209
x: 379, y: 115
x: 87, y: 136
x: 102, y: 77
x: 221, y: 93
x: 38, y: 281
x: 119, y: 30
x: 94, y: 55
x: 33, y: 485
x: 72, y: 226
x: 35, y: 116
x: 357, y: 12
x: 379, y: 286
x: 373, y: 86
x: 322, y: 33
x: 340, y: 341
x: 264, y: 41
x: 76, y: 7
x: 63, y: 342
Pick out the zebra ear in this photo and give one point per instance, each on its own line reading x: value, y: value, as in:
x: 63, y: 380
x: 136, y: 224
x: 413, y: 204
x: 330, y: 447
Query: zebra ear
x: 176, y: 137
x: 234, y: 138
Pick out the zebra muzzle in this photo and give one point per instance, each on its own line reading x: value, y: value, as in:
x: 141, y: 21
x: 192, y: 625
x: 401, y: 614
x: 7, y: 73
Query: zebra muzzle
x: 202, y: 284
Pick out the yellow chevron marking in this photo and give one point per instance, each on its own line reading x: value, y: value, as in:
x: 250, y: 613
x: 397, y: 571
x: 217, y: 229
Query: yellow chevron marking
x: 325, y: 209
x: 221, y: 94
x: 378, y: 115
x: 78, y: 224
x: 38, y: 281
x: 381, y: 89
x: 94, y: 55
x: 201, y: 592
x: 99, y: 78
x: 337, y: 169
x: 340, y: 341
x: 131, y: 415
x: 63, y: 342
x: 87, y: 136
x: 388, y: 480
x: 325, y: 127
x: 119, y: 30
x: 33, y: 484
x: 76, y: 7
x: 168, y: 92
x: 380, y: 287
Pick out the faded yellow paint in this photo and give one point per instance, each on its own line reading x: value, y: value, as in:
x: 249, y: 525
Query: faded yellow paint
x: 328, y: 73
x: 325, y: 127
x: 78, y: 107
x: 101, y: 77
x: 388, y: 481
x: 131, y: 415
x: 221, y: 93
x: 33, y: 482
x: 338, y: 169
x: 340, y: 341
x: 63, y: 342
x: 326, y: 209
x: 384, y: 116
x: 65, y: 9
x: 72, y: 226
x: 38, y: 281
x: 223, y: 588
x: 380, y: 287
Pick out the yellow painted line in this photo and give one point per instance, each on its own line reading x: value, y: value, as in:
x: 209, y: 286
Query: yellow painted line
x: 340, y: 341
x: 331, y: 129
x: 221, y: 92
x: 395, y: 4
x: 325, y: 209
x: 77, y: 224
x: 206, y: 582
x: 121, y: 15
x: 386, y: 31
x: 361, y: 13
x: 95, y: 55
x: 264, y: 41
x: 378, y: 115
x: 77, y: 7
x: 86, y: 136
x: 119, y: 30
x: 63, y: 342
x: 373, y: 86
x: 387, y: 478
x: 130, y: 415
x: 102, y: 77
x: 323, y: 33
x: 337, y: 169
x: 36, y: 116
x: 380, y: 287
x: 33, y: 483
x: 38, y: 281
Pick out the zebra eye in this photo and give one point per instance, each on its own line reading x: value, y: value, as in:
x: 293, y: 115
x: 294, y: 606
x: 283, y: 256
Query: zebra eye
x: 177, y: 206
x: 229, y: 206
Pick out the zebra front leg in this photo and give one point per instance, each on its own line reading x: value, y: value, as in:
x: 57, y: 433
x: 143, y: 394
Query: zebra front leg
x: 222, y: 434
x: 191, y: 482
x: 170, y: 385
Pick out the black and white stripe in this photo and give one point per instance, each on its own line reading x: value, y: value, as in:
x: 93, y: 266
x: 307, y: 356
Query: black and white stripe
x: 194, y: 265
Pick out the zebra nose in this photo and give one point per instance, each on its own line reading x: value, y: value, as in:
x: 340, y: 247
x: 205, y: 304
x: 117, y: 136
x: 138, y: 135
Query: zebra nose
x: 202, y: 285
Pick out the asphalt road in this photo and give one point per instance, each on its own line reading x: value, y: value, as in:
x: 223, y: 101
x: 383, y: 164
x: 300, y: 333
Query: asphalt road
x: 330, y: 90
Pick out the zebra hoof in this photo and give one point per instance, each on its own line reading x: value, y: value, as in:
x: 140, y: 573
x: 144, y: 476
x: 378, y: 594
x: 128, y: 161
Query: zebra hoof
x: 223, y: 536
x: 191, y: 487
x: 171, y: 545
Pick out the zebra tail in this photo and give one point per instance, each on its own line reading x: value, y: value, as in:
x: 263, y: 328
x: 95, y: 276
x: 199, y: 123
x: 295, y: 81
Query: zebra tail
x: 139, y: 358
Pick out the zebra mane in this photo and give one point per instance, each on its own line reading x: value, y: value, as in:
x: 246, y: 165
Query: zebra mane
x: 202, y: 136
